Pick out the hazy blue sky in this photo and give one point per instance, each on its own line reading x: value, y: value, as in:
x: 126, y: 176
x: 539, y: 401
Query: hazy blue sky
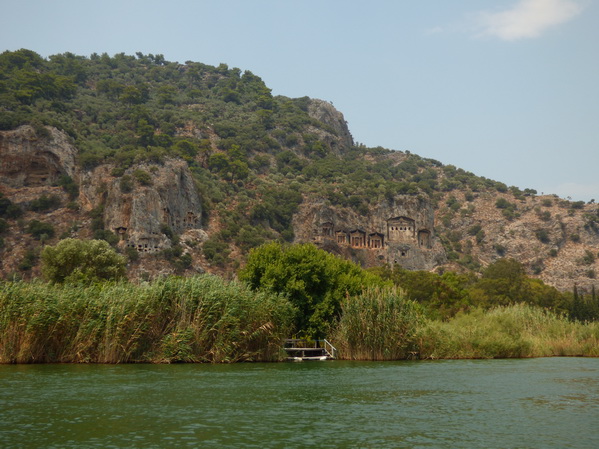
x: 507, y: 89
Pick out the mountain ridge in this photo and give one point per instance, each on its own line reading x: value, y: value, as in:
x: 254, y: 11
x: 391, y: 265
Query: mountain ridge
x: 111, y: 139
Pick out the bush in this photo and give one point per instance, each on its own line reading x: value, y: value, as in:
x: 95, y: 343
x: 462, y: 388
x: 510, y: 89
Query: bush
x: 73, y: 260
x: 69, y: 186
x: 315, y: 281
x: 29, y: 260
x: 143, y: 177
x: 501, y: 249
x: 126, y: 184
x: 542, y: 235
x: 588, y: 258
x: 8, y: 209
x: 40, y: 229
x: 132, y: 254
x: 215, y: 251
x: 106, y: 235
x: 44, y: 203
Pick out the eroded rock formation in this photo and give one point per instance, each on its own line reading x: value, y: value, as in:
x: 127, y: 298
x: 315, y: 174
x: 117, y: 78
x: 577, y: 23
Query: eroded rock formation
x: 323, y: 111
x: 143, y: 217
x: 30, y: 159
x: 400, y: 232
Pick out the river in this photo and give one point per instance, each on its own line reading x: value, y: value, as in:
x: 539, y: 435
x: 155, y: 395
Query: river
x: 525, y: 403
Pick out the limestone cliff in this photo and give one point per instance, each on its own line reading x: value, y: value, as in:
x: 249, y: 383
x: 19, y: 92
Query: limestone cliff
x: 340, y: 139
x: 400, y: 231
x: 143, y: 216
x: 30, y: 158
x: 148, y: 203
x: 140, y: 217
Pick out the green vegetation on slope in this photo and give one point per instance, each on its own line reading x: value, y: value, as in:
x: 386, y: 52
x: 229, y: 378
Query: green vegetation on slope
x: 264, y: 154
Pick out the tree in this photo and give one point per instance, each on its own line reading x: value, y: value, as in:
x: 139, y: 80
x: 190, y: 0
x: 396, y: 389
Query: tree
x: 73, y: 260
x: 315, y: 281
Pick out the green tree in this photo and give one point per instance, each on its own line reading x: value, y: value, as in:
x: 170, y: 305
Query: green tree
x: 315, y: 282
x: 73, y: 260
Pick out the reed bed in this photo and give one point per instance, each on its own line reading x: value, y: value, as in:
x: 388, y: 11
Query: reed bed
x: 518, y: 330
x: 198, y: 319
x: 379, y: 324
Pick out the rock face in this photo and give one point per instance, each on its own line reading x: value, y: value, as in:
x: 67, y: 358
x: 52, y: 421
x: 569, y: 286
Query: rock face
x: 141, y: 217
x: 397, y: 232
x: 341, y: 139
x: 28, y: 159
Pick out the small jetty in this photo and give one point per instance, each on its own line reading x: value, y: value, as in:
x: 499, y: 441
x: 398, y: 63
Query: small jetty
x: 299, y: 350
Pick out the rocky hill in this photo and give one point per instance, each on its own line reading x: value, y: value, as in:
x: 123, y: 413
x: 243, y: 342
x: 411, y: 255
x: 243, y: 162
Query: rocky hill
x: 186, y: 167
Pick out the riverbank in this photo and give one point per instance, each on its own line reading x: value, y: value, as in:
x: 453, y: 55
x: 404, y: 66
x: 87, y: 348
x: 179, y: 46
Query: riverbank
x: 207, y: 319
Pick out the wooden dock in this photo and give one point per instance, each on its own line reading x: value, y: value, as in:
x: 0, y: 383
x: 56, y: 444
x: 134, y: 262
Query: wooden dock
x: 299, y: 350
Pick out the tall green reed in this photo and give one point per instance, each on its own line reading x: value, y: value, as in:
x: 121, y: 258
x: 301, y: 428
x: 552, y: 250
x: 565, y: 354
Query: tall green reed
x: 199, y: 319
x: 378, y: 324
x: 518, y: 330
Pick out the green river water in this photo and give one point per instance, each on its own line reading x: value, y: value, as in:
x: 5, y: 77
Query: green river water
x: 530, y: 403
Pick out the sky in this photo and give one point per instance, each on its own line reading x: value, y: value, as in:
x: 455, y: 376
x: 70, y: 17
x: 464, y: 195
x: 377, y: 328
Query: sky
x: 506, y: 89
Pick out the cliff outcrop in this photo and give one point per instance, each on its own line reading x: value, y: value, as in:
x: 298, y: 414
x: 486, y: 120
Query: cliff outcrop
x: 398, y: 231
x: 339, y: 139
x: 149, y: 203
x: 144, y: 214
x: 32, y: 157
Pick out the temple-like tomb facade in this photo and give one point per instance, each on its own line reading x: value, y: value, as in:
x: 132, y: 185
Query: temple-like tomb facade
x: 400, y: 231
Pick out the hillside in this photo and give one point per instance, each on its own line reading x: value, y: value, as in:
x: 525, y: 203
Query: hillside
x: 186, y: 167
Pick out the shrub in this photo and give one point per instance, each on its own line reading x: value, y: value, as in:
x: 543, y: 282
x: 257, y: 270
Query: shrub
x: 502, y: 203
x: 106, y: 235
x: 126, y: 184
x: 501, y: 249
x: 39, y: 229
x: 588, y: 258
x: 44, y: 203
x: 69, y: 186
x: 28, y: 261
x: 143, y: 177
x: 8, y: 209
x: 215, y: 251
x: 473, y: 230
x: 542, y: 235
x: 132, y: 254
x: 73, y: 260
x: 315, y: 281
